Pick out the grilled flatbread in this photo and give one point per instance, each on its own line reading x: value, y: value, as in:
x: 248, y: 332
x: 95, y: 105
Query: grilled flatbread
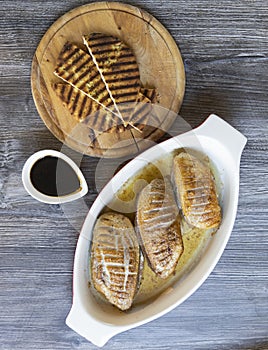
x: 158, y: 224
x: 144, y: 113
x: 115, y: 259
x: 118, y: 67
x: 147, y: 116
x: 79, y: 104
x: 86, y: 110
x: 103, y: 86
x: 76, y: 67
x: 196, y: 191
x: 151, y: 94
x: 142, y: 110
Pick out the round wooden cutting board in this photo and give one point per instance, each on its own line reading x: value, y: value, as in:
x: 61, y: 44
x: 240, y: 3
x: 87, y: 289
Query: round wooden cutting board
x: 160, y: 65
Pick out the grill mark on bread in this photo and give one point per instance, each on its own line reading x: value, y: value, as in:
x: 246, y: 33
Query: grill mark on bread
x: 125, y: 63
x: 71, y: 54
x: 129, y: 83
x: 83, y: 75
x: 126, y: 71
x: 151, y: 94
x: 102, y: 42
x: 75, y: 101
x: 86, y: 70
x: 82, y: 106
x: 116, y: 61
x: 76, y: 60
x: 115, y: 78
x: 120, y: 61
x: 62, y: 89
x: 69, y: 94
x: 84, y: 109
x: 102, y: 55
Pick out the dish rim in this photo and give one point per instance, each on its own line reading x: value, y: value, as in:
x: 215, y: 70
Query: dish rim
x: 41, y: 197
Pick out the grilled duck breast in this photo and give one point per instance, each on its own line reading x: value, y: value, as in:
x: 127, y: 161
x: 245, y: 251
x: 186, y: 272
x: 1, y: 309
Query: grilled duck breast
x: 115, y: 259
x: 196, y: 191
x: 158, y: 225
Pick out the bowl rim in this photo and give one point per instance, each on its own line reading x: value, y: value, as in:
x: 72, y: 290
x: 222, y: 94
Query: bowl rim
x: 41, y: 197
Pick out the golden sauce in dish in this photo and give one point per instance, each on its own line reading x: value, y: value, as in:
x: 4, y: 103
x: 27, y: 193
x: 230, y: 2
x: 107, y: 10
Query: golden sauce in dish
x: 195, y: 240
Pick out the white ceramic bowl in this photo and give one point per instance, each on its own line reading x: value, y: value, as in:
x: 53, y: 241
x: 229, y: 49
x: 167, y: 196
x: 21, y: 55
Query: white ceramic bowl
x: 223, y: 145
x: 26, y: 179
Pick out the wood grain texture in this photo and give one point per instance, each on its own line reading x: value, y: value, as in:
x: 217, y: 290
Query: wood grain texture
x: 225, y: 50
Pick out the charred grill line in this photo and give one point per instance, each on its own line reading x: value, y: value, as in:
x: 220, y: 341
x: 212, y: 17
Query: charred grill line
x: 86, y: 72
x: 102, y: 43
x: 82, y: 106
x: 75, y: 101
x: 116, y: 63
x: 71, y: 54
x: 102, y: 57
x: 125, y: 63
x: 132, y: 70
x: 119, y: 95
x: 122, y: 79
x: 128, y: 86
x: 69, y: 94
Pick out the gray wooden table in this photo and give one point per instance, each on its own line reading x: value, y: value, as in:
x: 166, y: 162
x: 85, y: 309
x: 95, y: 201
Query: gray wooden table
x: 225, y: 50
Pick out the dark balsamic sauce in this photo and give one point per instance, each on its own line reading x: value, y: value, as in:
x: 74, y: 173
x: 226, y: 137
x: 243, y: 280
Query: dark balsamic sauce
x: 54, y: 177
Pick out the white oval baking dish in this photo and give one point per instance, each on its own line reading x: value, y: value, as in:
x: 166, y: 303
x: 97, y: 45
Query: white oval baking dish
x: 223, y: 144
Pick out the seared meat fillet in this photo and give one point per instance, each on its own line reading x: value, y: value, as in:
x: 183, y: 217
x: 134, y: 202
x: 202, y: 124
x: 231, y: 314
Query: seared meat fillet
x: 196, y: 191
x: 115, y: 259
x: 158, y: 225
